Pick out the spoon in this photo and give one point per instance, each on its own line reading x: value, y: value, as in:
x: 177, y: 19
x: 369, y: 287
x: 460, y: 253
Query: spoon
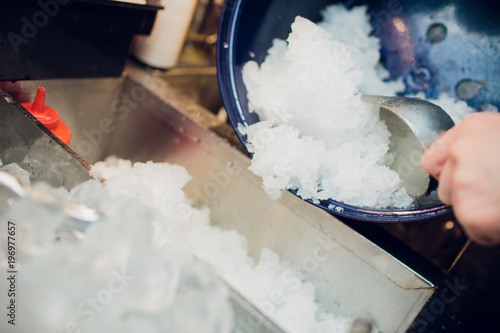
x: 79, y: 214
x: 414, y: 125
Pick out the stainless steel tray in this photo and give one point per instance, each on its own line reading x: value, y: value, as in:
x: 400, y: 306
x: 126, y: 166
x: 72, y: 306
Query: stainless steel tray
x: 140, y: 117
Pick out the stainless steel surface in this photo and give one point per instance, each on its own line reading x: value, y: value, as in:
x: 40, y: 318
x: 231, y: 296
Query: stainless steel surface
x: 199, y: 84
x: 248, y: 319
x: 25, y: 141
x: 152, y: 121
x: 414, y: 124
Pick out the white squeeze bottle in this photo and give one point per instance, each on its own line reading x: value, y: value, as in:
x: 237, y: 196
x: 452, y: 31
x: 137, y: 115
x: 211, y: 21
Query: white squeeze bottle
x: 163, y: 46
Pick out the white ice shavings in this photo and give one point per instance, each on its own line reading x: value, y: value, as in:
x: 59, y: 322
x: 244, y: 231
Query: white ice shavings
x: 317, y: 135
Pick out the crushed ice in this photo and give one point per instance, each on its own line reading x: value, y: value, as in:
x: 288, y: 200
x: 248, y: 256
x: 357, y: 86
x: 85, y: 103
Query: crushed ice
x: 315, y: 133
x: 147, y: 264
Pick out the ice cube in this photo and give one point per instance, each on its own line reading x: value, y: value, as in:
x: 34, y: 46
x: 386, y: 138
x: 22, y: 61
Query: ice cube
x: 15, y: 170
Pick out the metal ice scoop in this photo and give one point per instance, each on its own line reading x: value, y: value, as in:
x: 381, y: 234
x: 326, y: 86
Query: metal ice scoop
x: 414, y: 124
x: 79, y: 214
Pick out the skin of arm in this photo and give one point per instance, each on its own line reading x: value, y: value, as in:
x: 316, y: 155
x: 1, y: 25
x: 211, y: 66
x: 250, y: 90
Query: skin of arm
x: 466, y: 162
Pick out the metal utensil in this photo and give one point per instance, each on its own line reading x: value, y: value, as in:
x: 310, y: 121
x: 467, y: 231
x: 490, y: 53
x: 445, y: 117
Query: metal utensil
x: 414, y: 124
x: 78, y: 214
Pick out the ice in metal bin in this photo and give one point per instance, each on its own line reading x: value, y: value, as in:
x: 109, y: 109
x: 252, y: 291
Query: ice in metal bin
x: 140, y: 117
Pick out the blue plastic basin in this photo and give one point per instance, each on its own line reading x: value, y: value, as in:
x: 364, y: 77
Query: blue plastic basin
x: 454, y: 48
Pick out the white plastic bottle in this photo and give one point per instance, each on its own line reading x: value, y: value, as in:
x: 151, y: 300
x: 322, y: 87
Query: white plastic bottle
x: 163, y: 46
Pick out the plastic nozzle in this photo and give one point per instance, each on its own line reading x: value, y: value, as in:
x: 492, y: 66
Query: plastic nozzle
x: 48, y: 116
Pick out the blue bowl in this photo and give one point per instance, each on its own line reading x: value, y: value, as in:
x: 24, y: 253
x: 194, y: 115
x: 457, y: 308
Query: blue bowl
x: 454, y: 47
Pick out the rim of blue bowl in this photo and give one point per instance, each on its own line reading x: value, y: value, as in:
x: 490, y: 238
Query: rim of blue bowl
x: 230, y: 97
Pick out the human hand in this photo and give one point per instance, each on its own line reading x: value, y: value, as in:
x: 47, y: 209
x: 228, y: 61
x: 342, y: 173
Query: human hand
x: 466, y: 162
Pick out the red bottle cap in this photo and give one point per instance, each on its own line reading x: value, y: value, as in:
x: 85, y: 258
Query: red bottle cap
x: 48, y: 116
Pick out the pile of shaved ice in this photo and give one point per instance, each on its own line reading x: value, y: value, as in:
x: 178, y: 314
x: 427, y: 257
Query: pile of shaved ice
x: 315, y: 135
x: 150, y: 263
